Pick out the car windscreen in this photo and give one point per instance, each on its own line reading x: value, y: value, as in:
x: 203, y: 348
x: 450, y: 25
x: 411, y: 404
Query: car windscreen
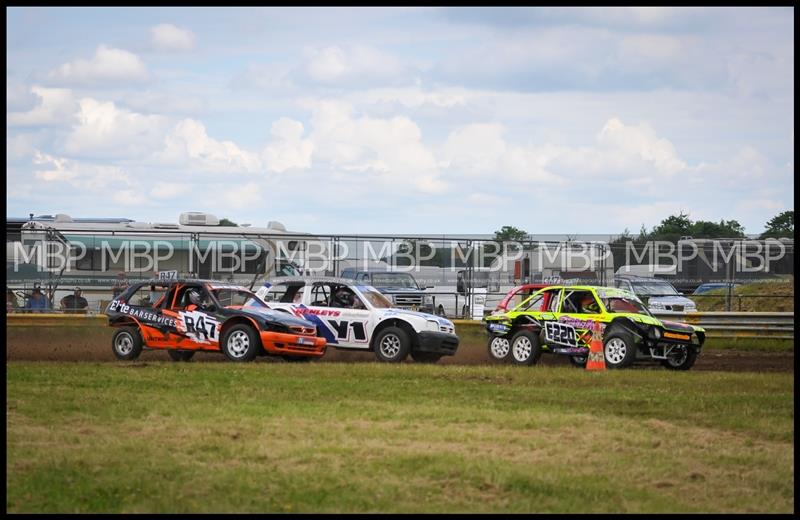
x: 624, y: 305
x: 406, y: 281
x: 375, y: 298
x: 653, y: 289
x: 238, y: 298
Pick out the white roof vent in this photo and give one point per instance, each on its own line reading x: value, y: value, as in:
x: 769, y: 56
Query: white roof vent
x: 61, y: 217
x: 274, y: 224
x: 196, y: 218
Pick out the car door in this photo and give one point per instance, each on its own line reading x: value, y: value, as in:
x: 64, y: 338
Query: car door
x: 342, y: 326
x: 195, y: 328
x: 577, y: 312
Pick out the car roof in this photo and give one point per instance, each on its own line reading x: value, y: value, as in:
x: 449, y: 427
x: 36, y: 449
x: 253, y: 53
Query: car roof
x: 310, y: 279
x: 194, y: 281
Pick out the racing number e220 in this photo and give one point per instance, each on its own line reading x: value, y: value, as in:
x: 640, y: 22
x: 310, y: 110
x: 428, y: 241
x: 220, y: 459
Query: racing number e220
x: 560, y: 333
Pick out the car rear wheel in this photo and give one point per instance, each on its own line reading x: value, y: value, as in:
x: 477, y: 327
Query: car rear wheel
x: 392, y: 345
x: 525, y: 348
x: 127, y: 343
x: 180, y: 355
x: 499, y: 348
x: 682, y: 358
x: 241, y: 343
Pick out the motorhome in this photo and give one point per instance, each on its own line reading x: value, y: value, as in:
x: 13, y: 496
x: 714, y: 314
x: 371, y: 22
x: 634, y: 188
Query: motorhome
x: 100, y: 254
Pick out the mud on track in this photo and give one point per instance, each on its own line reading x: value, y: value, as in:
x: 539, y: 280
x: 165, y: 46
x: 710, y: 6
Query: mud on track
x: 469, y: 353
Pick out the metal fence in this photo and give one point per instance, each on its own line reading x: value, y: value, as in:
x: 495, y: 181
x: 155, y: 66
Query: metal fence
x: 454, y: 273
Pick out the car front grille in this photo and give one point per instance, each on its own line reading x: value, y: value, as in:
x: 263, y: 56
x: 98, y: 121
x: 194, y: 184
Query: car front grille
x: 303, y: 331
x: 445, y: 328
x: 408, y: 300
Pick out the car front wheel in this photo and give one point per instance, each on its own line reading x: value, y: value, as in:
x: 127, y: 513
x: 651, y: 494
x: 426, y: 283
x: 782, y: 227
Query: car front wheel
x: 241, y: 343
x: 392, y: 345
x: 619, y: 349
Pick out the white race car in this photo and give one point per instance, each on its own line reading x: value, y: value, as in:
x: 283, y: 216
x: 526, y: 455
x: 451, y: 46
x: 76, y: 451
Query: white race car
x: 359, y: 317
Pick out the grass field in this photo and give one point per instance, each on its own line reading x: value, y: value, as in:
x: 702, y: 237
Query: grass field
x: 769, y: 296
x: 340, y: 437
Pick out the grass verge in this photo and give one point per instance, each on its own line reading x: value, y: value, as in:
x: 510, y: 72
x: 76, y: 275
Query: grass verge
x: 339, y: 437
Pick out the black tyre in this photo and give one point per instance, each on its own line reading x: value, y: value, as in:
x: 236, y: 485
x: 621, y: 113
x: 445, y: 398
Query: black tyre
x: 525, y: 348
x: 681, y: 359
x: 127, y: 343
x: 578, y: 361
x: 241, y: 343
x: 180, y: 355
x: 499, y: 348
x: 619, y: 348
x: 392, y: 345
x: 297, y: 359
x: 425, y: 357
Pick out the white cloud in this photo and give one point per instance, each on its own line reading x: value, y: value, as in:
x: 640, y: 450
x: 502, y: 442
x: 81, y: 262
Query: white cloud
x: 167, y: 37
x: 389, y: 151
x: 414, y: 97
x: 359, y: 63
x: 238, y: 195
x: 109, y: 65
x: 104, y: 130
x: 188, y: 141
x: 51, y: 170
x: 56, y: 107
x: 166, y: 190
x: 290, y: 151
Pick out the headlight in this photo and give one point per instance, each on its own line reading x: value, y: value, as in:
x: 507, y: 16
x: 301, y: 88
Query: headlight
x: 432, y: 325
x: 427, y: 299
x: 654, y: 333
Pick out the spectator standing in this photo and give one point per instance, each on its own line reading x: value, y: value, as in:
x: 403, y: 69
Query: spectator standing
x: 120, y: 285
x: 37, y: 301
x: 74, y: 302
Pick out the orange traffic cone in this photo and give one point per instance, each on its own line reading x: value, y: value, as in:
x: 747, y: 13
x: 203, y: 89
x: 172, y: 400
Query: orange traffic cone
x: 596, y: 360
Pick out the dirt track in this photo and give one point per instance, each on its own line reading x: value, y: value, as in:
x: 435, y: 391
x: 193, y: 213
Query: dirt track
x: 468, y: 354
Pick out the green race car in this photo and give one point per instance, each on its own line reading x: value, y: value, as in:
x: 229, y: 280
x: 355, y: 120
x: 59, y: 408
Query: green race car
x: 561, y: 320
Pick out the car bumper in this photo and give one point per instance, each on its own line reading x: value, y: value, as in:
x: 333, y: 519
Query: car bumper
x: 437, y: 342
x: 280, y: 343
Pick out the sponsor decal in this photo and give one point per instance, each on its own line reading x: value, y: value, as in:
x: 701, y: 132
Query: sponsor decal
x: 142, y: 314
x: 578, y: 323
x: 672, y: 335
x: 198, y: 326
x: 560, y: 334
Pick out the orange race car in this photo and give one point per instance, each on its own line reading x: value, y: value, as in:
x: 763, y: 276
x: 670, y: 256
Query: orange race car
x: 184, y: 316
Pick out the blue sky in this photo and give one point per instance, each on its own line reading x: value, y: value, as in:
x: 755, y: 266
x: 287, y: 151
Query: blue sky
x: 403, y: 120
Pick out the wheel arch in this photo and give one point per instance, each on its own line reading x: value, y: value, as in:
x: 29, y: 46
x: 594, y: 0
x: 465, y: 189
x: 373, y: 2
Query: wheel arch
x: 240, y: 320
x: 395, y: 322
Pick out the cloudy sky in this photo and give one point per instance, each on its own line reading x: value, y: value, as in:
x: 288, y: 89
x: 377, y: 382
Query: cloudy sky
x: 401, y: 120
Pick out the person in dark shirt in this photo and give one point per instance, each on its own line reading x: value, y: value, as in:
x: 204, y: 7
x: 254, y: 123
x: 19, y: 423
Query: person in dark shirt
x: 74, y: 302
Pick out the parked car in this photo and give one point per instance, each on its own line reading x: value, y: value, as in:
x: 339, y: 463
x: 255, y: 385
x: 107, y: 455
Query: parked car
x: 706, y: 287
x: 401, y: 288
x: 353, y: 315
x: 659, y: 295
x: 186, y: 316
x: 560, y: 319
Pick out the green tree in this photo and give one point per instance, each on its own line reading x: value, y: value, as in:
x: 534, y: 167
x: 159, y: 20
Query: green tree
x: 780, y: 226
x: 510, y: 234
x: 226, y: 222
